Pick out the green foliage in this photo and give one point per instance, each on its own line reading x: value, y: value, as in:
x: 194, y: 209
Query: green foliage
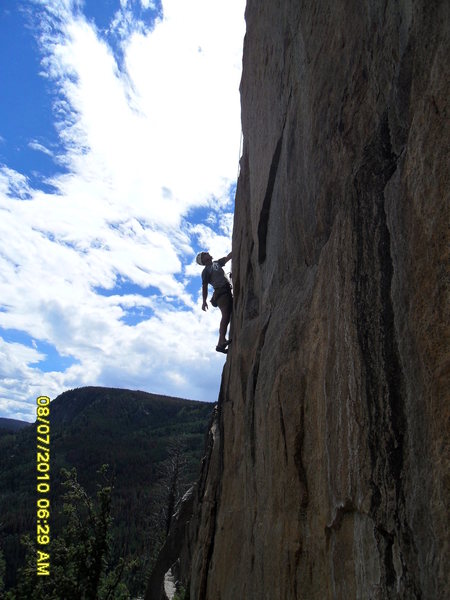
x: 80, y: 556
x: 180, y: 594
x: 134, y: 433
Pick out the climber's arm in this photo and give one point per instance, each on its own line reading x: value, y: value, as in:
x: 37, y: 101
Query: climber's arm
x: 224, y: 260
x: 205, y: 296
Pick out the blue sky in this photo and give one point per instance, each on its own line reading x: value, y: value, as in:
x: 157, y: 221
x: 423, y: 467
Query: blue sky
x: 119, y: 148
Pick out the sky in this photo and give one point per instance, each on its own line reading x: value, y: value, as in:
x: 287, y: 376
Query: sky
x: 119, y: 149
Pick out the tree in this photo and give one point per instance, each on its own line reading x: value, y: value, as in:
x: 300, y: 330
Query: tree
x: 80, y: 555
x: 173, y: 481
x: 174, y: 467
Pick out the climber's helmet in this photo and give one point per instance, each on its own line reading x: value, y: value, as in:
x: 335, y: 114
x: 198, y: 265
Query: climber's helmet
x: 199, y: 258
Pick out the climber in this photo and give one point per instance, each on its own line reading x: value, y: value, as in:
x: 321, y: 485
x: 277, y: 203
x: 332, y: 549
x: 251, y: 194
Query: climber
x: 213, y: 274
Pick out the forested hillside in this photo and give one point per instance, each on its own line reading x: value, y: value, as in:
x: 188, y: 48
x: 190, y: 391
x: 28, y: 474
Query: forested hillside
x: 11, y: 425
x: 152, y: 444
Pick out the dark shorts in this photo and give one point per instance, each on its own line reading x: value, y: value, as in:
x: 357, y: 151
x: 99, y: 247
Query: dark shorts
x: 223, y: 298
x: 225, y: 302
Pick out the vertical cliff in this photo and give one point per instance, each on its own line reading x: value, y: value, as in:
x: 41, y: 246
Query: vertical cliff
x: 329, y: 476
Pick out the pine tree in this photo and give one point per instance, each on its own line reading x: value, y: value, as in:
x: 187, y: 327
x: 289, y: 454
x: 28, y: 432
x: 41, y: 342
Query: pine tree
x: 80, y: 554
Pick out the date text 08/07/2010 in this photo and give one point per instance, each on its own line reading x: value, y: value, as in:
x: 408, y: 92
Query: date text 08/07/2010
x: 43, y: 485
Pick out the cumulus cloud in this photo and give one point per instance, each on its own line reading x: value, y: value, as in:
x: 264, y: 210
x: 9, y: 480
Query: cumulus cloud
x: 144, y: 141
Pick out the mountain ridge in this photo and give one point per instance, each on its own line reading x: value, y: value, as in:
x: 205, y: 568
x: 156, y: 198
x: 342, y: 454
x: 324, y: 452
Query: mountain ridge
x: 83, y: 398
x: 13, y: 424
x: 134, y: 433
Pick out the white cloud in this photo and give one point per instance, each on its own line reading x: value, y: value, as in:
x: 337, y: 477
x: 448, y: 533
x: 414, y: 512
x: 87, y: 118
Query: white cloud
x: 142, y: 146
x: 35, y: 145
x: 209, y: 239
x: 13, y: 183
x: 13, y: 356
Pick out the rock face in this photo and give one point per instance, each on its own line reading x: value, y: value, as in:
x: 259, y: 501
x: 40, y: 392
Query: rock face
x: 329, y: 476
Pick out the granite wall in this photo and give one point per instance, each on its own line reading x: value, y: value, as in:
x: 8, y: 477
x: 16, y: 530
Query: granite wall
x: 329, y: 476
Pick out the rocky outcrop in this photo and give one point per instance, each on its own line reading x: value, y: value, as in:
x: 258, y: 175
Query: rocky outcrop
x: 331, y: 473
